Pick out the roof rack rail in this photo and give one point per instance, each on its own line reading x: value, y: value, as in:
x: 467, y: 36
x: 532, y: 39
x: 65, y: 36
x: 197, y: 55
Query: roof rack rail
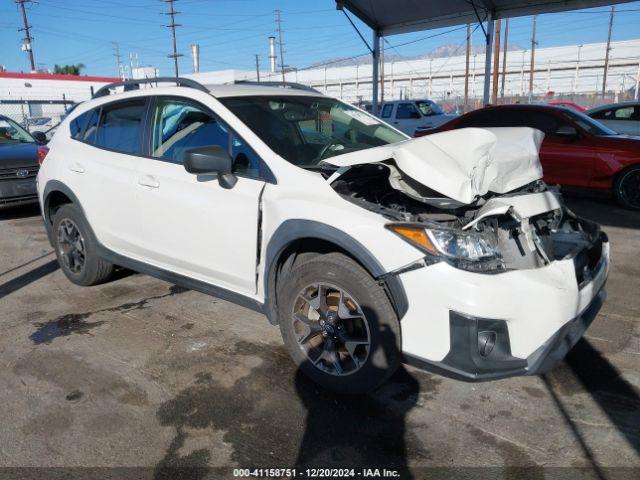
x: 134, y: 84
x: 292, y: 85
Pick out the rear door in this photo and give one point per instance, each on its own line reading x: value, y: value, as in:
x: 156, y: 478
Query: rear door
x: 102, y: 171
x: 191, y: 224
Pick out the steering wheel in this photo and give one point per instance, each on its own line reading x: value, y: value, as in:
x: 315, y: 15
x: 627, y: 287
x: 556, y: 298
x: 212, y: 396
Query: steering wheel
x: 327, y: 147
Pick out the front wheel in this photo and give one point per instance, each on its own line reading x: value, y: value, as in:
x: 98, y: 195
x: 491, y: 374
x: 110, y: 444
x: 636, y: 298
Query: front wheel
x: 626, y: 188
x: 339, y: 325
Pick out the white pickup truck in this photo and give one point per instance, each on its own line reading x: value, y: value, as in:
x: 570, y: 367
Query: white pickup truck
x: 408, y: 115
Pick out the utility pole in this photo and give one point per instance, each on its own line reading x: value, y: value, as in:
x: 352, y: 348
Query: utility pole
x: 381, y: 69
x: 172, y: 13
x: 116, y: 53
x: 258, y: 67
x: 279, y: 22
x: 504, y: 56
x: 466, y: 69
x: 28, y: 40
x: 533, y: 54
x: 606, y: 55
x: 496, y: 61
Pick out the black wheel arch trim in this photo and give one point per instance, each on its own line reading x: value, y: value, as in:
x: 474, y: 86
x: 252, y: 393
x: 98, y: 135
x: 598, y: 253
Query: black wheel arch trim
x: 294, y: 230
x: 53, y: 186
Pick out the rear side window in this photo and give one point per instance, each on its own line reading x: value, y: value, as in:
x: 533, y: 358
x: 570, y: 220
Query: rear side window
x: 77, y: 124
x: 120, y: 127
x: 386, y: 110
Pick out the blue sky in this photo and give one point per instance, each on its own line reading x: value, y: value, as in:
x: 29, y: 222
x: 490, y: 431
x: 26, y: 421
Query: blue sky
x: 231, y: 32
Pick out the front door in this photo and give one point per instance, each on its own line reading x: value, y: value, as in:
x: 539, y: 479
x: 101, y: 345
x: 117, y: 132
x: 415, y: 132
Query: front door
x: 193, y: 226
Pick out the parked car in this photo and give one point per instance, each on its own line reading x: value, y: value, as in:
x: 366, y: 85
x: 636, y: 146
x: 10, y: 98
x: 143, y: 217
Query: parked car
x: 364, y: 246
x: 568, y: 104
x: 577, y: 151
x: 623, y: 118
x: 409, y: 115
x: 20, y: 155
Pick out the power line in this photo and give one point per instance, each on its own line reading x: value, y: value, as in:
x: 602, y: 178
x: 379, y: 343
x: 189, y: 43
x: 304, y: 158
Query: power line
x: 606, y: 56
x: 279, y: 22
x: 533, y: 56
x: 27, y: 45
x: 116, y: 54
x: 175, y: 55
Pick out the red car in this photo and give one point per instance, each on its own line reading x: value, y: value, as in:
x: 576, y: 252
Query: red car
x: 577, y: 151
x: 575, y: 106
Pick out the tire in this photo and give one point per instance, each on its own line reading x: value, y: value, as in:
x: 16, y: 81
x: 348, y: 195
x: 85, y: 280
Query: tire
x: 361, y: 313
x: 626, y: 188
x: 82, y: 266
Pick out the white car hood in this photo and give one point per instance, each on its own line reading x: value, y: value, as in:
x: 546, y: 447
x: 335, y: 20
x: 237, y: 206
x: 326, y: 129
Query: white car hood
x: 460, y: 164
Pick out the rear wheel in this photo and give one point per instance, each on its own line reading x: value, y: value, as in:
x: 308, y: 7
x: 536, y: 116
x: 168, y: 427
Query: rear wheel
x: 626, y: 188
x: 76, y: 250
x: 338, y: 324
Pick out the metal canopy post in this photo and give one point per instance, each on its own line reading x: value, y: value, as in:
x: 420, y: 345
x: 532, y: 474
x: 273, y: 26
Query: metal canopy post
x: 375, y: 75
x: 487, y: 61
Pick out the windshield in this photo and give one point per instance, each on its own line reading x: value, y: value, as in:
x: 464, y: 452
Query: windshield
x: 306, y: 130
x: 428, y: 108
x: 11, y: 132
x: 587, y: 123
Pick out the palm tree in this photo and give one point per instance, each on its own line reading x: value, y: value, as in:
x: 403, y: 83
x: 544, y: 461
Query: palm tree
x: 68, y: 69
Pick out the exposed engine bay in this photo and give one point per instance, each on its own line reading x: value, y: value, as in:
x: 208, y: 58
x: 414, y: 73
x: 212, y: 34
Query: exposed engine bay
x: 522, y: 229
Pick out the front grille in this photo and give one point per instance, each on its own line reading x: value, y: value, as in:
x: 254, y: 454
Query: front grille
x: 12, y: 173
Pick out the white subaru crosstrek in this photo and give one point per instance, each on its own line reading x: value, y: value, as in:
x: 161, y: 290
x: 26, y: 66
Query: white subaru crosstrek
x: 367, y: 248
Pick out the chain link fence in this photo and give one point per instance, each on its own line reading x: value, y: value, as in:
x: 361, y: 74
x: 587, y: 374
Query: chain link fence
x: 37, y: 115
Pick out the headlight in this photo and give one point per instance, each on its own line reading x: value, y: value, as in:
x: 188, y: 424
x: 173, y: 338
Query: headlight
x: 468, y: 250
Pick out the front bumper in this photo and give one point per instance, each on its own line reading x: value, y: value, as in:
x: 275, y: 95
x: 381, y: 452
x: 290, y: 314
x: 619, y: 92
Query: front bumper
x: 18, y: 191
x: 478, y: 327
x: 465, y: 360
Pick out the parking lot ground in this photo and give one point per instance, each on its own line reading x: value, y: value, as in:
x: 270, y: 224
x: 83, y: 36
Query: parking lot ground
x: 141, y: 373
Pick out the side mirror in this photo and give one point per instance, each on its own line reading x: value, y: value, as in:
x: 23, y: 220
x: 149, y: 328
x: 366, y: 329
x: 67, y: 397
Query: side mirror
x: 567, y: 131
x: 213, y: 160
x: 39, y: 137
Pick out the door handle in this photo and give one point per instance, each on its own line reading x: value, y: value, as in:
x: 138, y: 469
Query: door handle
x: 148, y: 181
x: 76, y: 167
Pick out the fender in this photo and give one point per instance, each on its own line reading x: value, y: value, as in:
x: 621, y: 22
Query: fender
x: 298, y: 229
x: 49, y: 188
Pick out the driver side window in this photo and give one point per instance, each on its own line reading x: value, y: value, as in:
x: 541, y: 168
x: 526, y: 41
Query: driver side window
x: 180, y: 125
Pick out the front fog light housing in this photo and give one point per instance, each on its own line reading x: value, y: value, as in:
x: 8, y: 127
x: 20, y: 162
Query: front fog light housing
x: 468, y: 250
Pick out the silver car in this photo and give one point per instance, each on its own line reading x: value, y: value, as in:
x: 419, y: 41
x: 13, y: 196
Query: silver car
x: 623, y: 118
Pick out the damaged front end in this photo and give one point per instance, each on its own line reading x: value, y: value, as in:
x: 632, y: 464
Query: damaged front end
x: 465, y: 215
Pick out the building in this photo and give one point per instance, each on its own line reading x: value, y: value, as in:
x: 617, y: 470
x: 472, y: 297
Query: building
x: 44, y: 98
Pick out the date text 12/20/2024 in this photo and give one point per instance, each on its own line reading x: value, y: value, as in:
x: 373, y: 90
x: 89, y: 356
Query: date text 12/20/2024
x: 315, y: 473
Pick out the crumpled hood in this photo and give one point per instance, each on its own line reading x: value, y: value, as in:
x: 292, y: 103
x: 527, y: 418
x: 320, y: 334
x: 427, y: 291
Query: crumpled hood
x: 461, y: 164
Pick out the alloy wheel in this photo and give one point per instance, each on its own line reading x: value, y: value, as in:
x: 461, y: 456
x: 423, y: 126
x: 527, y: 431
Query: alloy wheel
x: 331, y: 329
x: 629, y: 189
x: 71, y: 246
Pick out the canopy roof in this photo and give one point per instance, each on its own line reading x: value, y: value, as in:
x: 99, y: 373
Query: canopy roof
x: 390, y: 17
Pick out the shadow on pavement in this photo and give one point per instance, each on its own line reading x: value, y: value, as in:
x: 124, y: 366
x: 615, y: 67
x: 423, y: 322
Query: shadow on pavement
x: 602, y: 210
x: 617, y: 398
x: 23, y: 211
x: 274, y: 416
x: 27, y: 278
